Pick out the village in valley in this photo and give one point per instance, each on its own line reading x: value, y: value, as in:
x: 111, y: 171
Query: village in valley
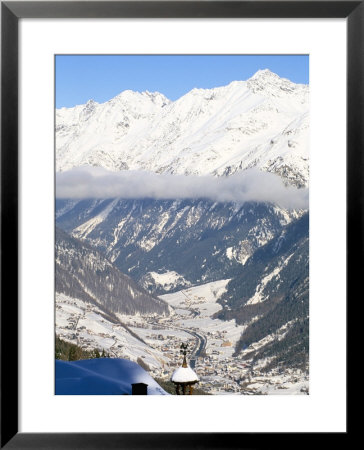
x: 154, y: 342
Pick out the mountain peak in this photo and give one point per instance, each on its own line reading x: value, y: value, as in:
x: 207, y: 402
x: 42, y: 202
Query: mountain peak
x: 157, y: 97
x: 126, y: 94
x: 264, y: 74
x: 134, y: 97
x: 269, y: 84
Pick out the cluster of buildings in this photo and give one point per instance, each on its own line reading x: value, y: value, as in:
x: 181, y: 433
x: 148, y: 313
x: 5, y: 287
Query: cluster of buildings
x: 210, y: 351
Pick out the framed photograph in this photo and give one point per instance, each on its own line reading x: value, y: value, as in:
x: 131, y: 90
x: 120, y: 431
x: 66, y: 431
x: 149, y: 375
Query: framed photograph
x: 181, y: 204
x: 177, y: 193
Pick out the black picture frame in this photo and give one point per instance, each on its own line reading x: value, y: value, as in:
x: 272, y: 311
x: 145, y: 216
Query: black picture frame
x: 11, y: 12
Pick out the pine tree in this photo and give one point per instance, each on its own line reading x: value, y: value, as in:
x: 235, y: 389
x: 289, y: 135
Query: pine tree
x: 72, y: 354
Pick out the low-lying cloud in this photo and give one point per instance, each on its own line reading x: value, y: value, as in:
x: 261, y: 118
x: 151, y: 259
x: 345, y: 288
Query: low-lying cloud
x: 249, y: 185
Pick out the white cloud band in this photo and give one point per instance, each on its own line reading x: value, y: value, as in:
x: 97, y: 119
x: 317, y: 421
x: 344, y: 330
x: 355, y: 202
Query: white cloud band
x: 249, y: 185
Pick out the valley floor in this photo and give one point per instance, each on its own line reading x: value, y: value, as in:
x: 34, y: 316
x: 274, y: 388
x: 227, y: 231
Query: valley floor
x: 154, y: 342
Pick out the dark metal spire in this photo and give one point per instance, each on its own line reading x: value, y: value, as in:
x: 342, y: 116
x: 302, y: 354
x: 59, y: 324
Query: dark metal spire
x: 184, y: 352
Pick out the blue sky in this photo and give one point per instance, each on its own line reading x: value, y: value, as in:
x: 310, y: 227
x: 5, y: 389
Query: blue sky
x: 80, y: 78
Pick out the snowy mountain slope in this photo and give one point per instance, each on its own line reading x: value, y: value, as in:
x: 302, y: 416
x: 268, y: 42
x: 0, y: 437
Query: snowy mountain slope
x: 262, y: 122
x: 202, y: 298
x: 102, y: 376
x: 271, y: 296
x: 166, y: 245
x: 87, y: 325
x: 82, y: 272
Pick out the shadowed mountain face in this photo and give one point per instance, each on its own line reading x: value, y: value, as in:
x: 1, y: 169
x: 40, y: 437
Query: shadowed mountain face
x: 82, y: 272
x: 187, y: 241
x: 271, y: 296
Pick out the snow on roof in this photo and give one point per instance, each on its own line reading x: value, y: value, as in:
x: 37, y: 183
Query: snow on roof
x: 102, y: 376
x: 184, y: 375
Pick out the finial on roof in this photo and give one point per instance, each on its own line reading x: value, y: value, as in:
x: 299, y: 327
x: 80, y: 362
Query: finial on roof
x: 184, y: 352
x: 184, y: 377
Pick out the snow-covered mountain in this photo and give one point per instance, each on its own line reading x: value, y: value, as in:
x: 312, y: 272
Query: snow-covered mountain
x: 166, y: 245
x: 169, y: 244
x: 261, y: 122
x: 83, y: 273
x: 270, y: 296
